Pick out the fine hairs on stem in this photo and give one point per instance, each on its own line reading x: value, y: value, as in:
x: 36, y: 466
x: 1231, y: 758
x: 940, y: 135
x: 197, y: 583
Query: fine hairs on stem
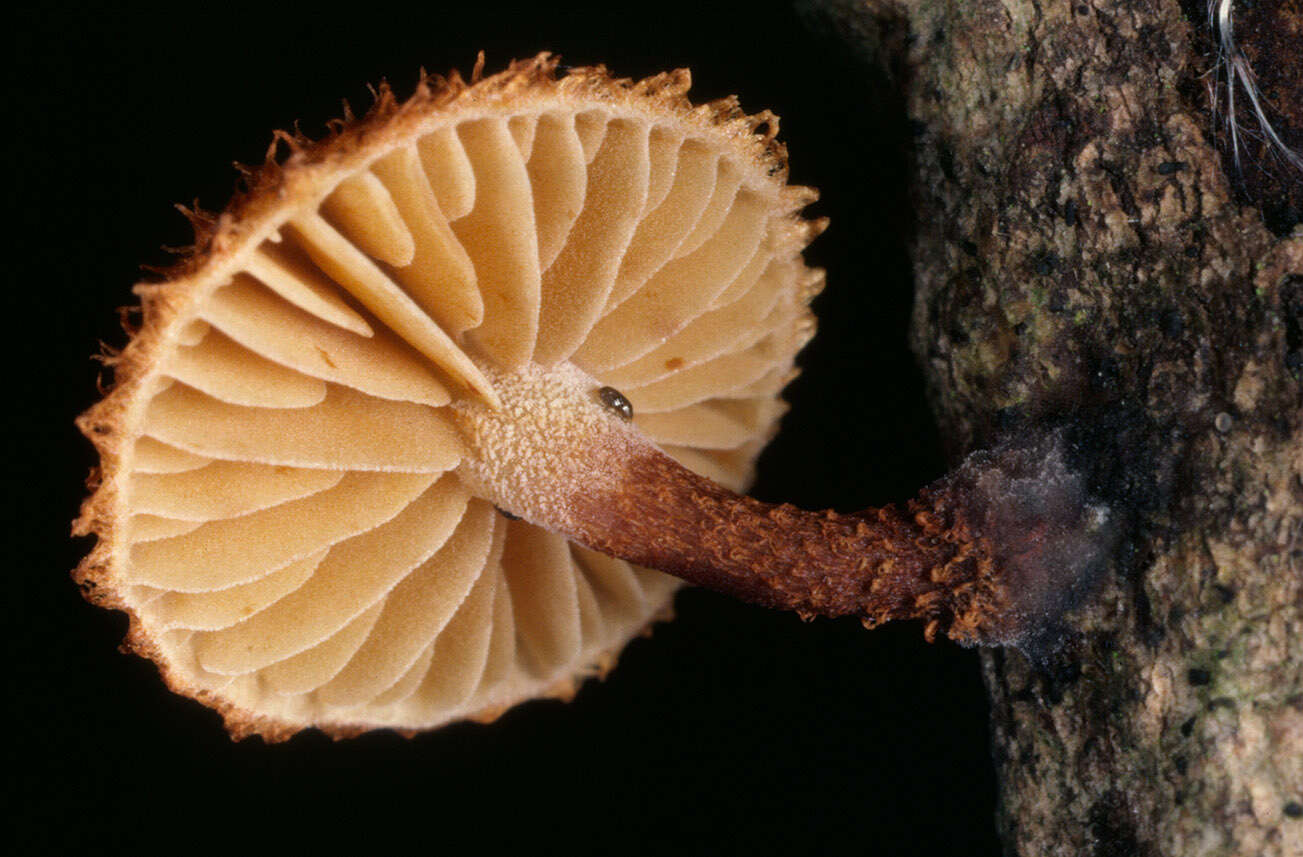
x: 1233, y: 66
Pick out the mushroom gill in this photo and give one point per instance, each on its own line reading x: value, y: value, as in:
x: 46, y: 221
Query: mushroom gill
x: 300, y: 459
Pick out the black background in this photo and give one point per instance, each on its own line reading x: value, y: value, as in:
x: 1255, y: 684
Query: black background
x: 731, y: 730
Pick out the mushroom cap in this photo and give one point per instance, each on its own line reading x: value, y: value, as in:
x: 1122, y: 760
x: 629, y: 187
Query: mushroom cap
x: 280, y: 505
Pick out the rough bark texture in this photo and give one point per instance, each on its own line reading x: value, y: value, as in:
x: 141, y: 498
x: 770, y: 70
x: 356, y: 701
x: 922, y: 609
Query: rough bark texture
x: 1081, y: 255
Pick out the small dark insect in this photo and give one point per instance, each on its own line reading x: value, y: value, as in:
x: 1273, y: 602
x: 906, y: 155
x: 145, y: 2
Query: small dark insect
x: 614, y: 400
x: 1168, y: 167
x: 504, y: 513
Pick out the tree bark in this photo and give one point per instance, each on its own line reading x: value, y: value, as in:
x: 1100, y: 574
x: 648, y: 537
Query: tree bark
x: 1081, y: 257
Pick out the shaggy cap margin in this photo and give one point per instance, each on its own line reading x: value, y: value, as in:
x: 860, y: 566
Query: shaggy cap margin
x: 297, y: 168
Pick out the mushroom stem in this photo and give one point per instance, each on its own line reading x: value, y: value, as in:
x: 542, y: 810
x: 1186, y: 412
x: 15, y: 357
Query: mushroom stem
x: 989, y: 554
x: 925, y: 561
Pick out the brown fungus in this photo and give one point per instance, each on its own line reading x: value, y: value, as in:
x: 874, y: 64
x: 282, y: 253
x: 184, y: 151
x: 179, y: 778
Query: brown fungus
x: 364, y: 450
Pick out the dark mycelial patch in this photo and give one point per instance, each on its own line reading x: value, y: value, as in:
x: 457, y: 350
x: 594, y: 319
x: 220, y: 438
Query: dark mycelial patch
x: 1030, y: 497
x: 1064, y: 496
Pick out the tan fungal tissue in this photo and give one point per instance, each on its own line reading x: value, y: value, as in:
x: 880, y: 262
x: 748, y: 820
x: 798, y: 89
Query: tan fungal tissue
x: 403, y: 326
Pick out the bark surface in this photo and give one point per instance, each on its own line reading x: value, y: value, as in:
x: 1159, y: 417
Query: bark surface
x: 1081, y: 255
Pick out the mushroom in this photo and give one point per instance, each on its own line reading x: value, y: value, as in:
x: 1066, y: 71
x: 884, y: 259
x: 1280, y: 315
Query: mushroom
x: 402, y: 440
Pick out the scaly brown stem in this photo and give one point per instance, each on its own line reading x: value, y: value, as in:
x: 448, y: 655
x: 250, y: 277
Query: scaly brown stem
x: 988, y: 554
x: 921, y: 562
